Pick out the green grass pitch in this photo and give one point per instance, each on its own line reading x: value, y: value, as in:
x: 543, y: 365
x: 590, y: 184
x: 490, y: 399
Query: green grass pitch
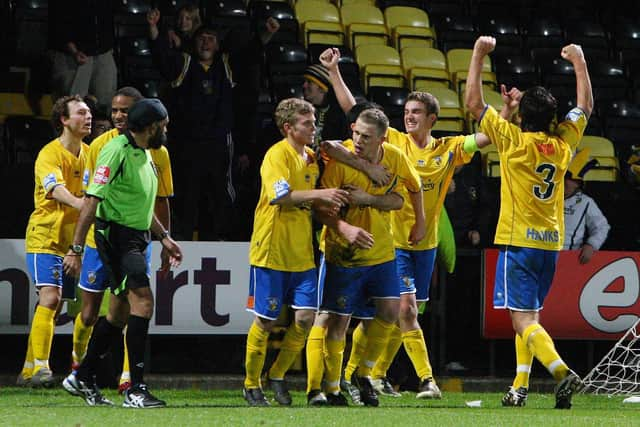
x: 25, y: 407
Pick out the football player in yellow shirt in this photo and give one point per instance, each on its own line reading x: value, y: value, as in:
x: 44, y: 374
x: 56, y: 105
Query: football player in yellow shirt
x: 435, y: 160
x: 357, y: 274
x: 93, y: 278
x: 58, y: 197
x: 283, y: 270
x: 533, y: 160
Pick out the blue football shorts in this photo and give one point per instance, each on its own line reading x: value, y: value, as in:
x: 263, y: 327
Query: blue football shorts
x: 523, y: 278
x: 415, y: 269
x: 270, y: 289
x: 347, y: 289
x: 94, y: 277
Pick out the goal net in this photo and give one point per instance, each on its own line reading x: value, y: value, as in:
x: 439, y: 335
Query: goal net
x: 619, y: 371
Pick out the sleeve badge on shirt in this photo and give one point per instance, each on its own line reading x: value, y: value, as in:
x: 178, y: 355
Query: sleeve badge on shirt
x: 574, y: 115
x: 281, y: 188
x: 49, y: 180
x: 102, y: 175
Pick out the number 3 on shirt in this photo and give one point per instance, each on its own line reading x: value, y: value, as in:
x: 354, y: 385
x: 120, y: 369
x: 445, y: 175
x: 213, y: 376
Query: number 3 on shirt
x: 548, y: 171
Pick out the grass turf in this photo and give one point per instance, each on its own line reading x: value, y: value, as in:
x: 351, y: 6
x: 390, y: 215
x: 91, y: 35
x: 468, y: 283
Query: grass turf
x: 28, y: 407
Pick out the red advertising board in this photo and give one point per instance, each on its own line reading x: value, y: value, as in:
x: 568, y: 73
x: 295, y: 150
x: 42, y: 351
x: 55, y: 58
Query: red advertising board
x: 598, y: 300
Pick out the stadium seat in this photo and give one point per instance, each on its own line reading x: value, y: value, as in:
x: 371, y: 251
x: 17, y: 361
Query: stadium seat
x: 358, y: 2
x: 490, y: 161
x: 506, y: 32
x: 29, y: 26
x: 152, y: 88
x: 289, y: 59
x: 135, y: 59
x: 608, y: 168
x: 451, y: 117
x: 409, y: 26
x: 363, y: 25
x: 544, y: 33
x: 25, y: 136
x: 283, y: 87
x: 17, y: 104
x: 379, y: 66
x: 622, y: 125
x: 170, y: 7
x: 319, y: 23
x: 425, y: 67
x: 590, y: 35
x: 626, y: 40
x: 392, y: 101
x: 519, y: 71
x: 458, y: 61
x: 260, y: 11
x: 599, y: 146
x: 558, y: 72
x: 454, y: 31
x: 608, y: 80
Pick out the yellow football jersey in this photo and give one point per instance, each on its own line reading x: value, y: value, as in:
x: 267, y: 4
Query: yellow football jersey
x: 435, y: 163
x: 160, y: 158
x: 282, y: 235
x: 377, y: 222
x: 51, y: 225
x: 532, y: 169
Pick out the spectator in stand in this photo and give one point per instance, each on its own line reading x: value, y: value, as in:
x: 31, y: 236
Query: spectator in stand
x: 201, y: 141
x: 81, y: 40
x: 585, y: 227
x: 187, y: 23
x: 466, y: 204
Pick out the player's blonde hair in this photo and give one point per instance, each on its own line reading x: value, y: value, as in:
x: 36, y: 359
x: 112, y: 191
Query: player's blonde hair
x: 288, y: 108
x: 377, y: 118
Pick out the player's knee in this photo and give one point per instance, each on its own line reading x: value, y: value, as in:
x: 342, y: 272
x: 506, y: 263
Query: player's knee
x: 408, y: 313
x: 89, y: 317
x: 304, y: 319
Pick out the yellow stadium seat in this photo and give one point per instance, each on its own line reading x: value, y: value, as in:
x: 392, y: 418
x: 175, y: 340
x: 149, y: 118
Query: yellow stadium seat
x: 17, y: 104
x: 491, y: 97
x: 458, y: 64
x: 409, y: 26
x: 363, y: 25
x: 319, y: 23
x: 379, y: 66
x: 425, y: 67
x: 599, y: 146
x: 451, y: 115
x: 607, y: 170
x: 357, y: 2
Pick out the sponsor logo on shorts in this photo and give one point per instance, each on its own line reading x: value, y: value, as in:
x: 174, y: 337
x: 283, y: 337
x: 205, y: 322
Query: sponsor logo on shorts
x: 272, y: 302
x: 342, y: 302
x: 102, y: 175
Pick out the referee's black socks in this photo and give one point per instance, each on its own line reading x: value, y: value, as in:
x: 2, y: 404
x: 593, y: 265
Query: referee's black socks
x: 137, y: 331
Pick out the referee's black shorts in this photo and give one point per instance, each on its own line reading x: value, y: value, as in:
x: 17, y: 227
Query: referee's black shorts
x: 123, y: 253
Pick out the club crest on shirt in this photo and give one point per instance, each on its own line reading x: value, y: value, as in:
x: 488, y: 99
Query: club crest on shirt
x: 421, y: 163
x: 92, y: 277
x: 437, y: 160
x: 49, y: 180
x: 102, y: 175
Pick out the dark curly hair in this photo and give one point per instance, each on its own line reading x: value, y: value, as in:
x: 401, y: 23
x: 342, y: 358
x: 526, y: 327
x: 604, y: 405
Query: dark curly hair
x: 538, y: 109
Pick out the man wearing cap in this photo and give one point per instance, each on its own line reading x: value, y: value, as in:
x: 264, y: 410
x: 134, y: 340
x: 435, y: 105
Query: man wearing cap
x: 121, y: 198
x: 585, y: 227
x: 331, y: 121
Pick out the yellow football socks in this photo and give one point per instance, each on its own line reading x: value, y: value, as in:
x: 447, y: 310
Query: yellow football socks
x: 416, y: 349
x: 377, y: 335
x: 315, y: 358
x: 335, y: 353
x: 542, y: 347
x: 125, y: 376
x: 358, y: 347
x: 255, y: 355
x: 388, y: 354
x: 27, y: 368
x: 42, y: 336
x: 524, y: 359
x: 292, y: 344
x: 81, y: 335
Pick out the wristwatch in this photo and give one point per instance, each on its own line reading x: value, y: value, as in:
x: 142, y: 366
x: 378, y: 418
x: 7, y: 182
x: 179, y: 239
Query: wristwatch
x: 164, y: 234
x: 77, y: 249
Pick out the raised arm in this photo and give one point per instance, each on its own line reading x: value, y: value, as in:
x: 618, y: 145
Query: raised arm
x: 473, y: 98
x: 511, y: 99
x: 573, y: 53
x: 329, y: 59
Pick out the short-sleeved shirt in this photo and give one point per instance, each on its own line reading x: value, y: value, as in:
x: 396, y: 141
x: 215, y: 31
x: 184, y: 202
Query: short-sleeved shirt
x: 377, y: 222
x: 51, y: 225
x: 282, y: 234
x: 435, y: 163
x: 532, y: 169
x: 160, y: 158
x: 126, y: 182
